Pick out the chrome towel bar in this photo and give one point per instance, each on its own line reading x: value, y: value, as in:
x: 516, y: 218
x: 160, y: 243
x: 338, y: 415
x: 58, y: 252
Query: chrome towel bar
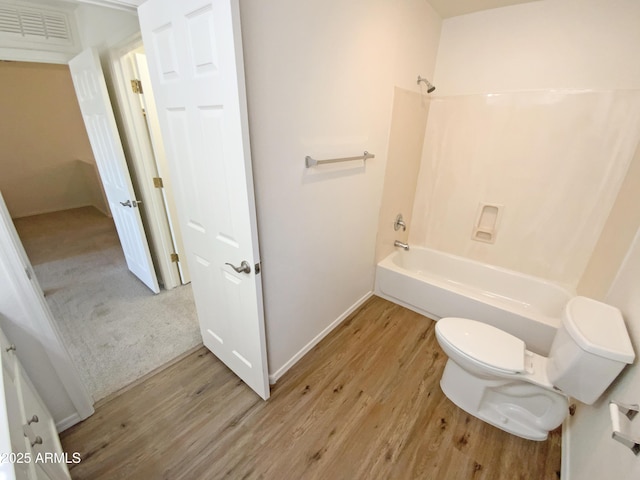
x: 312, y: 162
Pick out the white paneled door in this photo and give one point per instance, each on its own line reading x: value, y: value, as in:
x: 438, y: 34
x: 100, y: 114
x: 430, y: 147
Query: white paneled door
x: 194, y: 52
x: 100, y: 123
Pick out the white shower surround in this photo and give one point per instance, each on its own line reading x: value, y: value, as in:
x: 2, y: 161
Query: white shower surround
x: 438, y: 284
x: 555, y: 159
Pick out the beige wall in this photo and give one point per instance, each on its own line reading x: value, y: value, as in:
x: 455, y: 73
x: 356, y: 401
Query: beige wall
x: 46, y: 160
x: 320, y: 80
x: 536, y: 109
x: 408, y: 123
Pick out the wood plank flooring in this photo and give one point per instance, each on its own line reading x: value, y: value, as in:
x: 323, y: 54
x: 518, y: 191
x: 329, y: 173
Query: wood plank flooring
x: 364, y: 404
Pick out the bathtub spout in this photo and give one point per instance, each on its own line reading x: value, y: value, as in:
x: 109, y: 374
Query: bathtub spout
x: 400, y: 244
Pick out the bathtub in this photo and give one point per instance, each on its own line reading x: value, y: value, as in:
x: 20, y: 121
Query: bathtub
x: 438, y: 284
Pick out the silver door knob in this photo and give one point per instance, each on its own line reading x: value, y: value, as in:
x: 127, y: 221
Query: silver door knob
x: 33, y: 419
x: 126, y: 204
x: 11, y: 348
x: 37, y: 441
x: 243, y: 268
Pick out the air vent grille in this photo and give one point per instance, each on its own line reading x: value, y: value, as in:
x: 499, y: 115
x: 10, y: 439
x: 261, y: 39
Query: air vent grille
x: 34, y: 24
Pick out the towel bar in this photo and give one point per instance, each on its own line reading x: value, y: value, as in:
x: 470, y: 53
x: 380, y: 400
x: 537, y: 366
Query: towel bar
x: 312, y: 162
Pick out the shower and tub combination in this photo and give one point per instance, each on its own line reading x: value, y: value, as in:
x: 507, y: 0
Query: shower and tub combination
x: 483, y: 160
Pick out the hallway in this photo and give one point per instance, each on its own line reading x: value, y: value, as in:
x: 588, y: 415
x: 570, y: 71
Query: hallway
x: 114, y: 327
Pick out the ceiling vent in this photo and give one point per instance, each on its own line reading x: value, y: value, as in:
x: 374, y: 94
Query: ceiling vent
x: 35, y: 25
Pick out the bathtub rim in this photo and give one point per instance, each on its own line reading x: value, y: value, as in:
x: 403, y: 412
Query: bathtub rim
x: 469, y: 292
x: 389, y: 263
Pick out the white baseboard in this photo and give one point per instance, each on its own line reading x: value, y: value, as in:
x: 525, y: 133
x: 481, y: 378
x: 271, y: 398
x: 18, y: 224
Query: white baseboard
x: 68, y: 422
x: 273, y: 378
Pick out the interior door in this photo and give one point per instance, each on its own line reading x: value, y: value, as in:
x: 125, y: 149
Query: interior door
x: 100, y: 123
x: 194, y: 52
x: 25, y: 310
x: 157, y: 144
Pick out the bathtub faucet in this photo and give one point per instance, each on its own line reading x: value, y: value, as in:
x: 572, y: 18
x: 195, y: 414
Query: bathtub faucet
x: 400, y: 244
x: 399, y: 223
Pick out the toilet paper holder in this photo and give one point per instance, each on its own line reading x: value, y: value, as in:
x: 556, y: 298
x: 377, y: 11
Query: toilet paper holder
x: 629, y: 411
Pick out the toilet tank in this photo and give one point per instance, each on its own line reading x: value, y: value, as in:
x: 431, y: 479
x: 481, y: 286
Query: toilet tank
x: 590, y: 349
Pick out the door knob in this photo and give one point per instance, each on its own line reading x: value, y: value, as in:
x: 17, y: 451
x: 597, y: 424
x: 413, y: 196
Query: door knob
x: 131, y: 204
x: 243, y: 268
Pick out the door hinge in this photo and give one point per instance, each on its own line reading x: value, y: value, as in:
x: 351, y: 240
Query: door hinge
x: 136, y: 86
x: 157, y: 182
x: 257, y: 268
x: 175, y: 257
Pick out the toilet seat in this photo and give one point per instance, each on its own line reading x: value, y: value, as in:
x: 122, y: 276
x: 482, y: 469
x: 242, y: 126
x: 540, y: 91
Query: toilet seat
x: 483, y: 344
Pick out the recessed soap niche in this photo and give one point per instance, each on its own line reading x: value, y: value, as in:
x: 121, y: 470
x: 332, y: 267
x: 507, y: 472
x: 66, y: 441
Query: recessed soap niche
x: 487, y: 222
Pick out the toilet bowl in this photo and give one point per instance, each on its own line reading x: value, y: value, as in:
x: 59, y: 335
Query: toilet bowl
x: 491, y: 374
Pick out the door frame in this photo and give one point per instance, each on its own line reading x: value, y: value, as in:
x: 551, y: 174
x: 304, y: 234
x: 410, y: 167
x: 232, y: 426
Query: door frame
x: 135, y: 139
x: 42, y: 326
x: 32, y: 297
x: 43, y: 323
x: 161, y: 162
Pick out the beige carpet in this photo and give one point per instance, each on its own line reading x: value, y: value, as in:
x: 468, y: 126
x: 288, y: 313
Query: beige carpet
x: 115, y: 328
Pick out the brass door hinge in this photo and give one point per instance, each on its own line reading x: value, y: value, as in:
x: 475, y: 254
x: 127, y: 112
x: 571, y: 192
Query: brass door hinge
x: 157, y: 182
x: 175, y: 258
x: 136, y: 86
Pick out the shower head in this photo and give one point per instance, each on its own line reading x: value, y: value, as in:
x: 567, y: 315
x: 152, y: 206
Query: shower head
x: 430, y: 87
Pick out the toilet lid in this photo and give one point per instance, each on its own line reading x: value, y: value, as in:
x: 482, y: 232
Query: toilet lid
x: 484, y: 343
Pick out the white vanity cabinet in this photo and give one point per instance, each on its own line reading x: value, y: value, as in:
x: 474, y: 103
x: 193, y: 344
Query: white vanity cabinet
x: 29, y: 443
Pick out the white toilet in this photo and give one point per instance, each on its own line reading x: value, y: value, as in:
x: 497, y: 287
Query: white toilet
x: 491, y: 375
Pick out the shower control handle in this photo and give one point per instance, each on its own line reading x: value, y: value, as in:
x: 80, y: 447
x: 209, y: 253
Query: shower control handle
x: 243, y: 268
x: 399, y: 223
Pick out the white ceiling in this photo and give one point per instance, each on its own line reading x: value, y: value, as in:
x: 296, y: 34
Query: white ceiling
x: 445, y: 8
